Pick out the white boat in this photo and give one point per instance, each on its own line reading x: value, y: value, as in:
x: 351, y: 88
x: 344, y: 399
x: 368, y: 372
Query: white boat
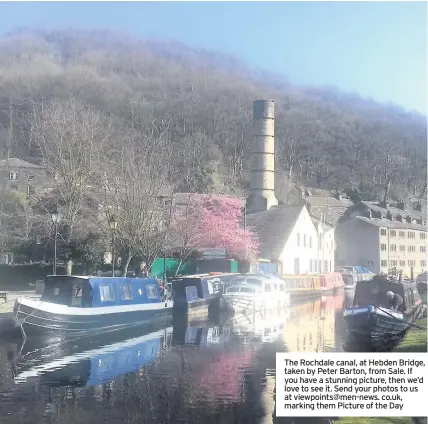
x: 256, y: 293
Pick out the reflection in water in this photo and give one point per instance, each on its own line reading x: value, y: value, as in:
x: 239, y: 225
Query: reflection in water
x: 202, y: 373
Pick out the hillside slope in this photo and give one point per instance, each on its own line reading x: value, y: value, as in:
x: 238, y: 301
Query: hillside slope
x: 203, y: 102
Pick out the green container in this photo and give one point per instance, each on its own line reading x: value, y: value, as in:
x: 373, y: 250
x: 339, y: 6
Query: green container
x: 157, y: 270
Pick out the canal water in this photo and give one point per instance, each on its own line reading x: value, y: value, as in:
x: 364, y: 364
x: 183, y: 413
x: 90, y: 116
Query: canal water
x: 195, y: 373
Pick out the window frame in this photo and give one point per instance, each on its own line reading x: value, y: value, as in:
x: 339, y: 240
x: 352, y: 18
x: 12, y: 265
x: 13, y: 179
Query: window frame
x: 111, y: 291
x: 130, y: 292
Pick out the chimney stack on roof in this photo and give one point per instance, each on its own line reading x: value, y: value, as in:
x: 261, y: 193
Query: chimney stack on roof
x: 385, y: 203
x: 418, y: 206
x: 401, y: 204
x: 262, y: 185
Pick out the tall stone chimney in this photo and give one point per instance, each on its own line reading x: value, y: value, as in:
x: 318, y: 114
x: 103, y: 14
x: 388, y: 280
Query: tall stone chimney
x: 262, y: 186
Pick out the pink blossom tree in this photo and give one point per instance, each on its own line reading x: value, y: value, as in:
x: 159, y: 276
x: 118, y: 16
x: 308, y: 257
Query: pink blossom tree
x: 213, y: 222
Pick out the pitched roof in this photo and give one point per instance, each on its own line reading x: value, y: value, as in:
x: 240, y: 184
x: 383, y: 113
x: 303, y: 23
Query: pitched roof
x: 391, y: 224
x: 375, y: 207
x: 273, y: 228
x: 18, y: 163
x: 329, y: 207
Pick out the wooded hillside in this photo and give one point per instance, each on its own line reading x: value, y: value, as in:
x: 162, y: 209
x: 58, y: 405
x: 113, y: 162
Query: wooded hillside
x: 200, y: 103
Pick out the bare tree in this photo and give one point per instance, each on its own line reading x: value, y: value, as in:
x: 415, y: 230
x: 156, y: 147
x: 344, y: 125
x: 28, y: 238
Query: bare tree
x: 71, y: 137
x: 136, y: 192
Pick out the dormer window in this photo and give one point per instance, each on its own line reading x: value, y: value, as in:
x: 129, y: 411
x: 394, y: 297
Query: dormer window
x: 13, y: 176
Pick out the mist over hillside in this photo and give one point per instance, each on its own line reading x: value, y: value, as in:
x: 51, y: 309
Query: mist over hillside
x: 202, y: 102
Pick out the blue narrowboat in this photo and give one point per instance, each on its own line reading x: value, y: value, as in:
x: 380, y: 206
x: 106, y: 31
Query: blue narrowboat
x: 76, y: 304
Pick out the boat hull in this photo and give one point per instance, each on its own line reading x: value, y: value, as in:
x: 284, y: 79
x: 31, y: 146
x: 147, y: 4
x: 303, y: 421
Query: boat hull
x: 254, y: 304
x: 377, y: 329
x: 42, y: 317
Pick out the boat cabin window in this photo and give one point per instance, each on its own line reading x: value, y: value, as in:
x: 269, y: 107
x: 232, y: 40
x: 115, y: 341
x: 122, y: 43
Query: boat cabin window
x: 245, y: 289
x: 268, y: 288
x: 107, y: 293
x: 233, y: 289
x: 151, y: 292
x: 76, y: 299
x: 126, y: 292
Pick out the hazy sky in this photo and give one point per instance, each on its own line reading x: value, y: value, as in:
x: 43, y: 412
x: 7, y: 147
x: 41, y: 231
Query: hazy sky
x: 378, y: 49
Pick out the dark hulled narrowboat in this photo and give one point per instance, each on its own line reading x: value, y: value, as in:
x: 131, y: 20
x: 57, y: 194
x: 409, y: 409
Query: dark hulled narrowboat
x: 198, y: 295
x: 372, y: 323
x: 75, y: 304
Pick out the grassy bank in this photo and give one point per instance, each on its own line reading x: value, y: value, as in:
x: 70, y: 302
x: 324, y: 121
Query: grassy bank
x: 415, y: 340
x: 387, y: 420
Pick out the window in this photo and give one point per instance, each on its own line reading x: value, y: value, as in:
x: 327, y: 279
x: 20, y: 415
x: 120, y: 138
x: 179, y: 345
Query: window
x: 304, y: 240
x: 325, y: 266
x: 383, y: 246
x: 151, y: 292
x: 77, y: 296
x: 268, y: 288
x: 275, y: 287
x: 13, y: 176
x: 281, y: 287
x: 393, y: 263
x: 298, y: 239
x: 30, y: 190
x: 402, y: 248
x: 423, y: 249
x: 310, y: 242
x: 402, y: 234
x: 330, y: 267
x: 392, y: 233
x: 31, y: 178
x: 210, y: 287
x: 393, y: 248
x: 402, y: 263
x: 411, y: 263
x: 411, y: 248
x: 383, y: 231
x: 422, y: 236
x: 383, y: 264
x: 14, y: 186
x: 107, y: 293
x: 423, y: 263
x: 411, y: 234
x: 126, y: 292
x: 247, y: 289
x: 296, y: 265
x: 310, y: 265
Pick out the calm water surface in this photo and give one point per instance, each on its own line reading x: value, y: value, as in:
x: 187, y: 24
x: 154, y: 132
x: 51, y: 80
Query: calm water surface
x: 199, y: 373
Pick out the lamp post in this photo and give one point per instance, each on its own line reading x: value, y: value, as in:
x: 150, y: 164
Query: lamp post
x: 56, y: 218
x: 113, y: 225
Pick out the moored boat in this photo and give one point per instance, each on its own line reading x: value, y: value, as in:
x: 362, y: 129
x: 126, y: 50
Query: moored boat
x: 372, y: 324
x: 198, y: 295
x: 256, y: 293
x: 82, y: 303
